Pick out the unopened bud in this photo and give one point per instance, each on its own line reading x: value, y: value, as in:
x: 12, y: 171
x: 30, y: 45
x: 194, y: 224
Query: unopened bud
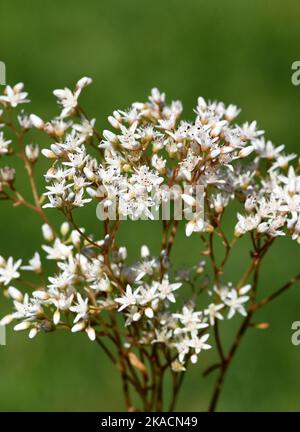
x: 47, y: 232
x: 246, y: 151
x: 32, y: 152
x: 83, y: 82
x: 64, y: 229
x: 37, y: 121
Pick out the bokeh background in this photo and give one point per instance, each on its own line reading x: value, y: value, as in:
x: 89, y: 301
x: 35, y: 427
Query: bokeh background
x: 236, y: 51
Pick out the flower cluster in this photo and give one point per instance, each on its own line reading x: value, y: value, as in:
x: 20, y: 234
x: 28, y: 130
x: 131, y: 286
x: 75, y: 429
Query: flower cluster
x: 148, y: 156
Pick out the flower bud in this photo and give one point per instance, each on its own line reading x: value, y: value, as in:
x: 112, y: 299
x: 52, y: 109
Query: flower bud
x: 145, y: 251
x: 64, y: 229
x: 91, y: 333
x: 24, y: 325
x: 89, y: 174
x: 83, y: 82
x: 15, y: 294
x: 246, y: 151
x: 40, y: 295
x: 37, y: 121
x: 78, y: 327
x: 6, y: 320
x: 47, y: 232
x: 110, y: 136
x: 48, y: 154
x: 114, y: 122
x: 56, y: 317
x: 75, y: 238
x: 32, y: 152
x: 33, y: 332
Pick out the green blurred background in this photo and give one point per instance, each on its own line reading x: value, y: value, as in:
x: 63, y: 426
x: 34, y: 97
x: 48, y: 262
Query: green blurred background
x: 236, y: 51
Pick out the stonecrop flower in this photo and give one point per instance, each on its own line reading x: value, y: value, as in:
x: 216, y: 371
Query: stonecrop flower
x: 150, y: 156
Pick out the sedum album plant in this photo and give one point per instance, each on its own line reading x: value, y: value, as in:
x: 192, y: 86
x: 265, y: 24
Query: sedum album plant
x: 149, y: 318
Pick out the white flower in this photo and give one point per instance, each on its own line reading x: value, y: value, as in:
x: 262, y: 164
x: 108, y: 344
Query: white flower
x: 85, y: 129
x: 196, y: 224
x: 235, y: 303
x: 128, y: 299
x: 246, y: 223
x: 165, y: 289
x: 103, y: 284
x: 15, y: 294
x: 198, y: 344
x: 68, y: 100
x: 146, y: 178
x: 29, y: 308
x: 58, y: 188
x: 62, y: 301
x: 34, y: 264
x: 59, y: 251
x: 9, y: 271
x: 213, y: 313
x: 61, y: 281
x: 14, y: 96
x: 4, y: 144
x: 183, y: 348
x: 81, y: 309
x: 145, y: 267
x: 249, y: 131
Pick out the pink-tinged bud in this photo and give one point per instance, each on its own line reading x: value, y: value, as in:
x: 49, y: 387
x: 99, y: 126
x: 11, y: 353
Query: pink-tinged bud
x: 246, y: 151
x: 262, y: 326
x: 2, y: 261
x: 110, y: 136
x: 117, y: 116
x: 49, y: 129
x: 48, y: 154
x: 32, y: 152
x: 18, y: 87
x: 15, y: 294
x: 114, y: 122
x: 37, y: 121
x: 84, y: 82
